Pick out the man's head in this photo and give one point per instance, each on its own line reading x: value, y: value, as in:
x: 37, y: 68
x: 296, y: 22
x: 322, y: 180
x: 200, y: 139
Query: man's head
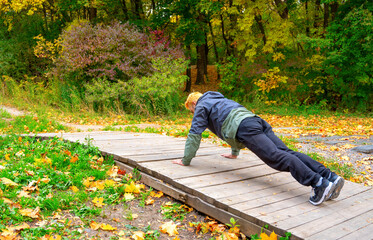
x: 191, y: 101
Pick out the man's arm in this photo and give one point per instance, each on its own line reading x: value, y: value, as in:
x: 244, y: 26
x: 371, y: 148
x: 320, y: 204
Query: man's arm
x: 191, y: 146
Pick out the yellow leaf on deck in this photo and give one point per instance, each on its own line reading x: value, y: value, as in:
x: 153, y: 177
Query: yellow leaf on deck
x: 170, y: 228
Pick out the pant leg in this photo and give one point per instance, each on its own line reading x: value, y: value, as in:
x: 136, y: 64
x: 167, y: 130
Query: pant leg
x: 251, y: 134
x: 311, y: 163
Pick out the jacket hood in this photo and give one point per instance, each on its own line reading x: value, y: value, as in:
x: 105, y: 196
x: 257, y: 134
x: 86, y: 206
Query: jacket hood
x: 211, y: 95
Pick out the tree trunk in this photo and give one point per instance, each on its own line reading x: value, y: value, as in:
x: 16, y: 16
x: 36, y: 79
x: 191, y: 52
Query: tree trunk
x: 201, y: 62
x: 316, y: 20
x: 137, y: 9
x: 282, y: 9
x: 326, y: 16
x: 92, y: 13
x: 188, y: 85
x: 307, y: 20
x: 227, y: 45
x: 258, y: 19
x: 334, y: 9
x: 124, y: 9
x: 45, y: 18
x: 214, y: 43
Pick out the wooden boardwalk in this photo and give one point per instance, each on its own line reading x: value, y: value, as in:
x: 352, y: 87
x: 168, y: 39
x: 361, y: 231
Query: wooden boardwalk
x: 243, y: 188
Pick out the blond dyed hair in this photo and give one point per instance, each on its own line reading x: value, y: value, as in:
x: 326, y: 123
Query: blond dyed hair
x: 193, y: 97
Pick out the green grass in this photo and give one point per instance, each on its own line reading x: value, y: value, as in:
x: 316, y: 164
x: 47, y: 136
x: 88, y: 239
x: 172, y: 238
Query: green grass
x: 342, y: 170
x: 47, y: 164
x: 29, y: 124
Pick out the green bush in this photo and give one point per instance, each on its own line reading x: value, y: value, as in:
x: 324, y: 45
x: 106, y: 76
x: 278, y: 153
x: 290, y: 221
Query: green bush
x: 158, y: 93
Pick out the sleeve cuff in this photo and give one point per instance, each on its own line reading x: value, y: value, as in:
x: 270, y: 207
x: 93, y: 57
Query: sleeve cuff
x: 235, y: 152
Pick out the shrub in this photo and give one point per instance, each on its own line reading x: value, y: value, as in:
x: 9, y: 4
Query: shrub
x: 117, y: 52
x: 154, y: 94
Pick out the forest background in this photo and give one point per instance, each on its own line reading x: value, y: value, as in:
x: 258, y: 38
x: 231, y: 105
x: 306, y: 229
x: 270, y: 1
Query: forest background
x: 136, y: 56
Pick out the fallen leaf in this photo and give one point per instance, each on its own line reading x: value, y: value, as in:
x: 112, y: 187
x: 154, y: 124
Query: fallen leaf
x: 129, y: 196
x: 107, y: 227
x: 94, y: 225
x: 74, y: 189
x: 132, y: 188
x: 149, y: 201
x: 28, y: 212
x: 9, y: 182
x: 138, y: 235
x: 29, y: 173
x: 74, y: 159
x: 23, y: 194
x: 264, y: 236
x: 170, y: 228
x: 19, y: 227
x: 230, y: 236
x: 157, y: 195
x: 98, y: 202
x: 55, y: 237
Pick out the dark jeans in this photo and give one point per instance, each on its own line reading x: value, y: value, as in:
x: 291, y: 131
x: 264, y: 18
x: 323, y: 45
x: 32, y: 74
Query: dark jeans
x: 257, y: 135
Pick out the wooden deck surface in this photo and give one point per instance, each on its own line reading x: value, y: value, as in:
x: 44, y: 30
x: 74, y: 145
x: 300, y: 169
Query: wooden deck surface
x: 244, y: 188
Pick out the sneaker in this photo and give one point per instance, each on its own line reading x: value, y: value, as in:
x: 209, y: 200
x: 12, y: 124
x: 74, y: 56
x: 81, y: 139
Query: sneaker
x: 338, y: 183
x: 322, y: 192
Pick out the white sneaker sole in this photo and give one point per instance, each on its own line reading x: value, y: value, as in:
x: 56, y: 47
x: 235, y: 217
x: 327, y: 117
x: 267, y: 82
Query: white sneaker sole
x: 326, y: 193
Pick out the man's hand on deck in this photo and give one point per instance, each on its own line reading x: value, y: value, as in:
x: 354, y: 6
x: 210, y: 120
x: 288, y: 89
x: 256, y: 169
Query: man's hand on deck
x: 178, y: 161
x: 228, y: 155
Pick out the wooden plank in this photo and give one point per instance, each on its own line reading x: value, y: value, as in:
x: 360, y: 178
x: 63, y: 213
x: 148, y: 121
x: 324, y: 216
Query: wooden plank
x: 271, y: 196
x: 138, y: 143
x: 199, y: 166
x: 331, y: 215
x: 286, y: 188
x: 249, y: 186
x: 362, y: 233
x: 142, y: 149
x: 174, y: 154
x: 254, y: 169
x: 345, y: 228
x: 289, y: 213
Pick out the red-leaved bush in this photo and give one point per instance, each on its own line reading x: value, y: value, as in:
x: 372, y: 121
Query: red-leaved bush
x: 116, y: 51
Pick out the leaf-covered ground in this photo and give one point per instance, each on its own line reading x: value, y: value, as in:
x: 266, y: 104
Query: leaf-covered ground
x: 58, y: 190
